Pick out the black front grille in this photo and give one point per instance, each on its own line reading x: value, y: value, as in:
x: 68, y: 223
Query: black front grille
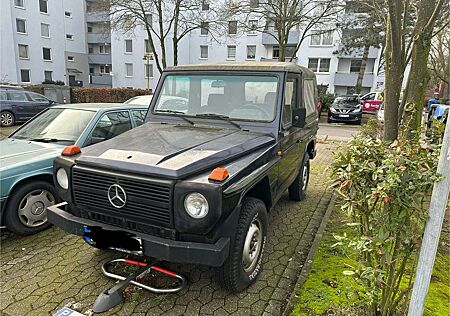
x: 148, y: 202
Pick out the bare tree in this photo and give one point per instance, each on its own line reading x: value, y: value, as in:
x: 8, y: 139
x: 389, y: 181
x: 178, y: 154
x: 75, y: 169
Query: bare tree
x: 279, y: 18
x: 439, y: 62
x: 163, y: 21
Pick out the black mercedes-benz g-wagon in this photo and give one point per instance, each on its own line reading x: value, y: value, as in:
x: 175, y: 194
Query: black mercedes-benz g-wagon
x: 221, y: 144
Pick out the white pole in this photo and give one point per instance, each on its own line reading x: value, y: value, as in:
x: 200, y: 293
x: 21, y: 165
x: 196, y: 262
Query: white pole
x: 438, y: 204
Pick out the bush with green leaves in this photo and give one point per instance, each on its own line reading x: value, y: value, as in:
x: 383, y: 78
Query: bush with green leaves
x: 384, y: 188
x: 326, y: 99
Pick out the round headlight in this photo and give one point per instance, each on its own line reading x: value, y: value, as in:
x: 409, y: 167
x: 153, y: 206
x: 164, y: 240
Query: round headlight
x: 196, y: 205
x: 61, y: 177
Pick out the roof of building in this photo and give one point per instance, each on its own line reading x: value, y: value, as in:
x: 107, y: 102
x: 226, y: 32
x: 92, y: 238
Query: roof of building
x: 246, y: 66
x: 99, y: 106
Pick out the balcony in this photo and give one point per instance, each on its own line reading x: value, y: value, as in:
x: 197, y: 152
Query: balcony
x: 100, y: 81
x: 269, y: 39
x: 94, y: 38
x: 356, y: 53
x: 97, y: 16
x: 102, y: 59
x: 347, y: 79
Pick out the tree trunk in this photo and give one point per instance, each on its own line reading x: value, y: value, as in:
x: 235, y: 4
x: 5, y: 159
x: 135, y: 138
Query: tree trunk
x: 175, y: 38
x: 362, y: 70
x: 393, y: 69
x: 419, y: 76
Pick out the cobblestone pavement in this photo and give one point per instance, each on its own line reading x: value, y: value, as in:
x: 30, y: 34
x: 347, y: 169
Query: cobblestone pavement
x: 42, y: 273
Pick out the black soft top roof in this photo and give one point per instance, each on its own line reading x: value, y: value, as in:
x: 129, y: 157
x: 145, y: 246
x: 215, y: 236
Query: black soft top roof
x: 246, y: 66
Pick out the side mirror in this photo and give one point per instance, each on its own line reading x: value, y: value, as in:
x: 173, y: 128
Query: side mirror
x: 94, y: 140
x: 299, y: 117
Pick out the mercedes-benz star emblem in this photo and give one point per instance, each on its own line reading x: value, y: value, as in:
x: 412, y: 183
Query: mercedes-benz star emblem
x: 117, y: 196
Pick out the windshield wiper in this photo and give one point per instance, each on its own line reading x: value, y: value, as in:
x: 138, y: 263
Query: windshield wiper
x: 176, y: 112
x: 49, y: 140
x: 220, y: 117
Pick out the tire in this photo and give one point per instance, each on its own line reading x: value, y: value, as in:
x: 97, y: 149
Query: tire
x: 7, y: 119
x: 358, y: 122
x: 297, y: 190
x: 329, y: 120
x: 239, y: 271
x: 26, y: 212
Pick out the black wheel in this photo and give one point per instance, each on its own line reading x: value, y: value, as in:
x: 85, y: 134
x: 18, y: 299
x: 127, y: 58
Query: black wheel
x: 329, y: 120
x: 297, y: 190
x: 7, y: 119
x: 244, y: 263
x: 358, y: 122
x: 26, y: 211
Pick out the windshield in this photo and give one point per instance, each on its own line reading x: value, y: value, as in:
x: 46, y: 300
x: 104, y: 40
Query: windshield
x: 237, y: 97
x: 347, y: 100
x: 56, y: 124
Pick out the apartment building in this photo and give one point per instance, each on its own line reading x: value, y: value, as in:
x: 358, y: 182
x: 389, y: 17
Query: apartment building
x: 336, y: 70
x: 43, y: 40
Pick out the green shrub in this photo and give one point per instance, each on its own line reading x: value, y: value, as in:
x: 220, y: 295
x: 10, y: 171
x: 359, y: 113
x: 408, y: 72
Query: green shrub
x: 326, y: 99
x: 383, y: 189
x: 104, y: 95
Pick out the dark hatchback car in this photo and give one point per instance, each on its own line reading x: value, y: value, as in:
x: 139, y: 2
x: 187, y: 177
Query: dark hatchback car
x: 346, y: 108
x: 18, y: 105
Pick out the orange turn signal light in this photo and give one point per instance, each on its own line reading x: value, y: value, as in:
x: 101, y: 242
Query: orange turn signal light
x: 219, y: 174
x: 71, y: 150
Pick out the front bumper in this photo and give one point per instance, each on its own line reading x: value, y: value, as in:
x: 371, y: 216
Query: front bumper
x: 344, y: 117
x: 152, y: 246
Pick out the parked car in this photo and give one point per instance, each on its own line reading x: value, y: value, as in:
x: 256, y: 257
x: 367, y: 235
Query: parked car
x: 345, y: 108
x: 27, y: 156
x: 380, y: 114
x: 140, y: 100
x: 371, y: 102
x: 17, y: 105
x: 196, y: 186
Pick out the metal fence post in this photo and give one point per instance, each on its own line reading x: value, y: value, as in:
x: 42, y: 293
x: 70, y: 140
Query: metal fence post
x: 438, y: 204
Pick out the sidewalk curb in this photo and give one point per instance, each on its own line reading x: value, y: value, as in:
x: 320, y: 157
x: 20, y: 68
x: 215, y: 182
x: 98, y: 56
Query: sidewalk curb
x: 293, y: 299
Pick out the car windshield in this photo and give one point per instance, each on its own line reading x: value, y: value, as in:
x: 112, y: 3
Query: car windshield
x: 235, y: 97
x: 65, y: 125
x: 347, y: 100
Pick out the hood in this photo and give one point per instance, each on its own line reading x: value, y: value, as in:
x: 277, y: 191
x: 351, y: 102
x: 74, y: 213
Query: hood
x: 172, y: 151
x: 18, y: 151
x: 345, y: 105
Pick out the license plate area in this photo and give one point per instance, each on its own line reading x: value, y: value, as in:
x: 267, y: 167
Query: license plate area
x: 344, y: 115
x: 116, y: 240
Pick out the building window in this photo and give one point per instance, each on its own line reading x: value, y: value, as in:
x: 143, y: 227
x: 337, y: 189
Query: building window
x: 89, y: 29
x: 355, y: 65
x: 106, y: 69
x: 253, y: 27
x: 231, y: 52
x: 205, y: 5
x: 148, y: 71
x: 129, y: 70
x: 128, y: 46
x: 19, y: 3
x: 23, y: 51
x: 251, y: 52
x: 90, y: 50
x: 67, y: 14
x: 149, y: 19
x: 21, y: 26
x: 319, y: 38
x: 232, y: 27
x: 254, y: 4
x: 204, y: 28
x: 48, y: 75
x: 69, y: 37
x: 147, y: 46
x: 25, y: 75
x: 203, y: 52
x: 45, y: 30
x: 46, y: 53
x: 70, y: 58
x: 319, y: 64
x: 289, y: 51
x: 43, y: 6
x: 91, y: 70
x: 104, y: 49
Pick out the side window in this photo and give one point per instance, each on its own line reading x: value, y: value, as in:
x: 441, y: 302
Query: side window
x: 309, y: 96
x: 17, y: 96
x: 37, y: 97
x: 139, y: 116
x: 290, y: 94
x: 112, y: 124
x: 2, y: 96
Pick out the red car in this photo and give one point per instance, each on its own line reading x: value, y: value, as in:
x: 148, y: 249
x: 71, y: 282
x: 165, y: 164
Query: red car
x: 371, y: 102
